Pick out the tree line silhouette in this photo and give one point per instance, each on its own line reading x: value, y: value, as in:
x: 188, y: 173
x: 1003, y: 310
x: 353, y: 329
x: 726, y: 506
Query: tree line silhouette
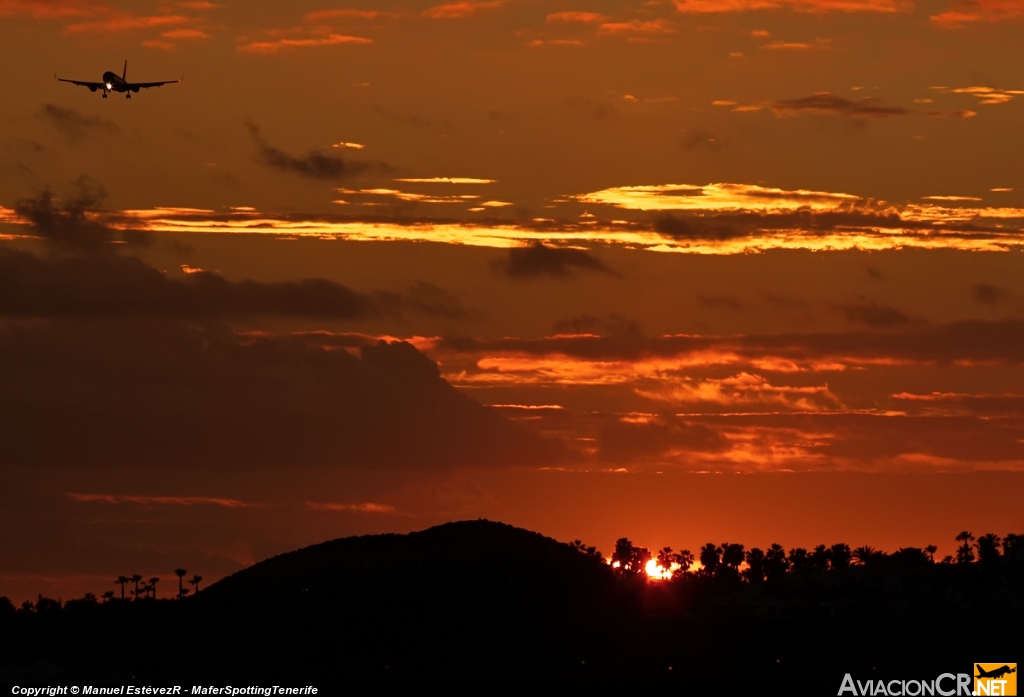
x: 147, y: 591
x: 754, y: 565
x: 727, y: 561
x: 486, y: 599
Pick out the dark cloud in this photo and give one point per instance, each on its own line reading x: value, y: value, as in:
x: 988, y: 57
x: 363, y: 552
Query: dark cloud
x: 871, y: 314
x: 594, y: 109
x: 827, y: 103
x: 974, y: 340
x: 988, y: 294
x: 623, y: 442
x: 85, y: 276
x: 785, y: 302
x: 315, y: 164
x: 965, y: 439
x: 557, y: 262
x: 874, y: 273
x: 691, y: 227
x: 115, y: 285
x: 422, y: 297
x: 720, y: 302
x: 74, y: 224
x: 411, y: 120
x: 159, y: 394
x: 75, y: 125
x: 696, y: 138
x: 605, y: 325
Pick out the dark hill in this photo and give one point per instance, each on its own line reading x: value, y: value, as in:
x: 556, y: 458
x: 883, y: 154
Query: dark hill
x: 471, y: 597
x: 441, y: 569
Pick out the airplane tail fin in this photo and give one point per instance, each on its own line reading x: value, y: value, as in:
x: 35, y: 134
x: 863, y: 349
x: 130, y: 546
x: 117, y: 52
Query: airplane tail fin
x: 124, y: 75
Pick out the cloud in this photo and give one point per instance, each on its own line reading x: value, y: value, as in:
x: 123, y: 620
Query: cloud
x: 327, y: 15
x: 695, y: 138
x: 277, y: 45
x: 539, y: 259
x: 986, y: 95
x: 315, y: 164
x: 718, y: 197
x: 606, y: 325
x: 75, y: 125
x: 967, y: 12
x: 461, y: 10
x: 871, y: 314
x: 637, y: 27
x: 827, y: 103
x: 745, y: 390
x: 125, y: 22
x: 716, y: 302
x: 780, y: 45
x: 50, y: 9
x: 85, y: 276
x: 814, y: 6
x: 656, y: 439
x: 185, y: 34
x: 160, y: 500
x: 719, y: 218
x: 73, y: 225
x: 988, y: 294
x: 581, y: 17
x: 351, y: 507
x: 595, y: 109
x: 168, y: 396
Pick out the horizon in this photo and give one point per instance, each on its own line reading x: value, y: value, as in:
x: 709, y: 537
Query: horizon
x: 677, y: 271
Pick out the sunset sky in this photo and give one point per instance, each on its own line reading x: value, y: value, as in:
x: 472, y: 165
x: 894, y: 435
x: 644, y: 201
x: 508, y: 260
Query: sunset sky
x: 677, y: 270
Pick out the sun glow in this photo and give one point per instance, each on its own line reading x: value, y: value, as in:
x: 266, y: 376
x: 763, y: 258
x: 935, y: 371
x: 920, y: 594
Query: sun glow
x: 657, y: 572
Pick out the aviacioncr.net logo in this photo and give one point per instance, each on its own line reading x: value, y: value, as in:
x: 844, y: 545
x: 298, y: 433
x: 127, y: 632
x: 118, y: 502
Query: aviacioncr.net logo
x: 946, y: 685
x: 995, y: 679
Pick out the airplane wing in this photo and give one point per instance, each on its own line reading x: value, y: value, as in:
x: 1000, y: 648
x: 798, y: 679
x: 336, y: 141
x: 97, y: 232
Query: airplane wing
x: 83, y: 83
x: 147, y: 85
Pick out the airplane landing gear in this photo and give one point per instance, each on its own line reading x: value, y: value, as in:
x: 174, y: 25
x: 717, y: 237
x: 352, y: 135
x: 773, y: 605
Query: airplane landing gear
x: 104, y: 95
x: 128, y: 96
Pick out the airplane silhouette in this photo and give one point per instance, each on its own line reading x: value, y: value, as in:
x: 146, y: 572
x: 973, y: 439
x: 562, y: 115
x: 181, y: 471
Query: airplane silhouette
x: 113, y: 83
x: 995, y: 672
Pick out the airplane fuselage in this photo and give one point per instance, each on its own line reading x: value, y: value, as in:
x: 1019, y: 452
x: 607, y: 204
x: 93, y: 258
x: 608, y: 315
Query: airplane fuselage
x: 114, y: 82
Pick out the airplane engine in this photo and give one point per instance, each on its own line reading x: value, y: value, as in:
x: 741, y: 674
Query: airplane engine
x: 92, y: 89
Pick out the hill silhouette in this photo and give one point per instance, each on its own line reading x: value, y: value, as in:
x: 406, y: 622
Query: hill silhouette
x: 479, y: 599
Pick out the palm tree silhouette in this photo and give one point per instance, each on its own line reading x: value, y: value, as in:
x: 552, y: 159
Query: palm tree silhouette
x: 195, y: 582
x: 152, y: 585
x: 136, y: 578
x: 630, y: 559
x: 863, y: 555
x: 965, y: 554
x: 1013, y: 545
x: 122, y: 580
x: 754, y: 573
x: 775, y: 562
x: 180, y: 573
x: 710, y: 558
x: 988, y: 548
x: 839, y: 556
x: 108, y: 596
x: 684, y: 558
x: 931, y: 550
x: 732, y: 557
x: 820, y: 557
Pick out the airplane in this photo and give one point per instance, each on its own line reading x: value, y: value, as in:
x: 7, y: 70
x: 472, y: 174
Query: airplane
x: 995, y: 672
x: 113, y: 83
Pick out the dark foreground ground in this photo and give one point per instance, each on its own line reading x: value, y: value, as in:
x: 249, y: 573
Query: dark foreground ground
x: 481, y: 600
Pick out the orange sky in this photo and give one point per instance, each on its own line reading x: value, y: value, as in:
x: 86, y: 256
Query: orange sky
x: 690, y: 270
